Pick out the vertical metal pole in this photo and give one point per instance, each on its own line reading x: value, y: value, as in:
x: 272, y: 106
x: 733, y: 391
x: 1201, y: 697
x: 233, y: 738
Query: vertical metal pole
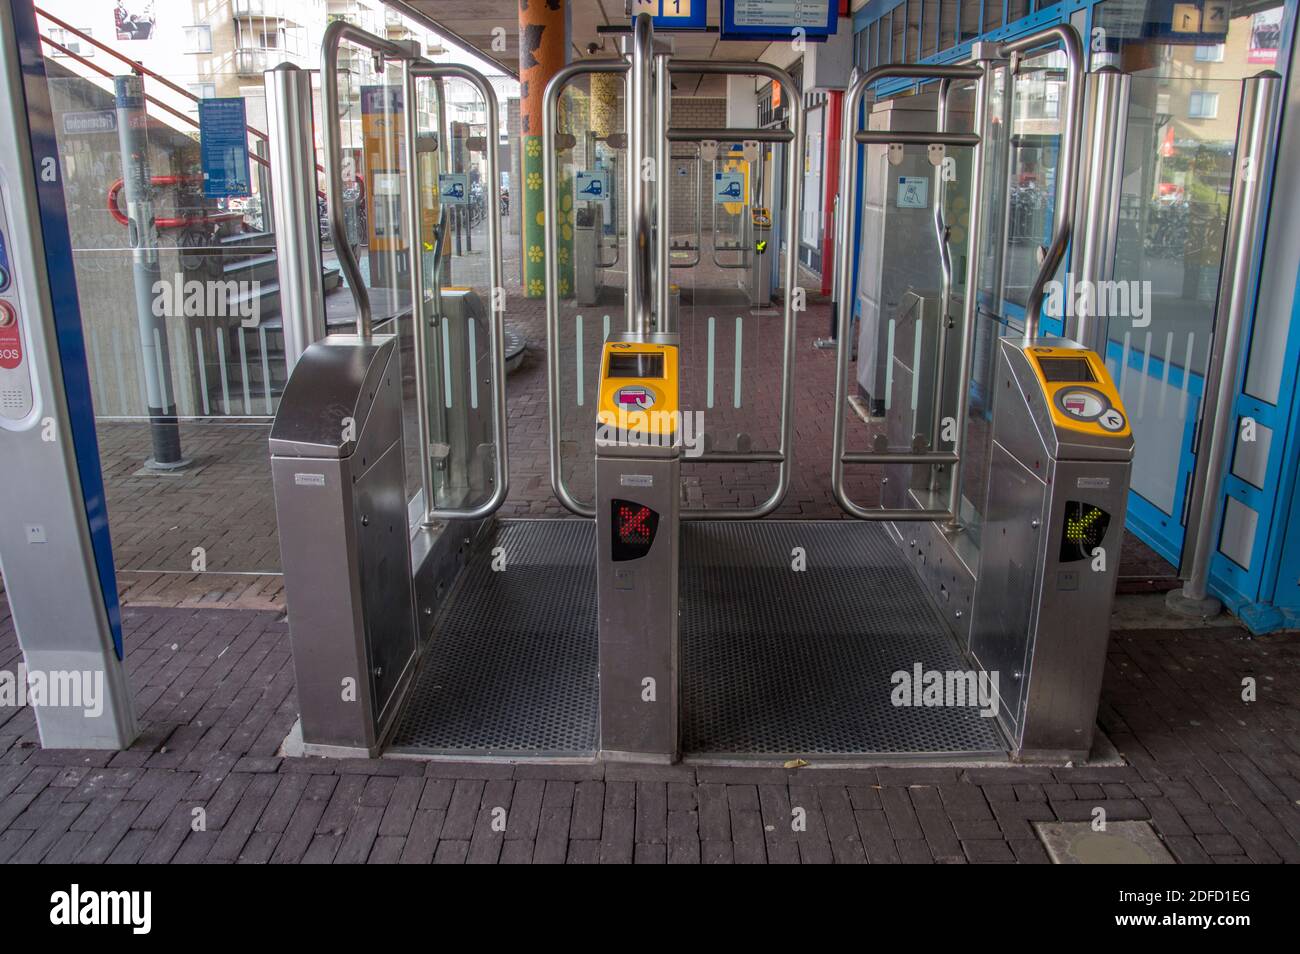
x: 1007, y: 176
x: 795, y: 149
x: 1217, y: 427
x: 419, y: 318
x: 444, y: 165
x: 293, y: 191
x: 264, y: 185
x: 970, y: 300
x: 142, y: 237
x: 945, y: 280
x: 1095, y: 225
x: 640, y: 295
x: 664, y: 319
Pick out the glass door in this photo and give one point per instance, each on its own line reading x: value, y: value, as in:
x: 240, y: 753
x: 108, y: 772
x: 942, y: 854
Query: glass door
x: 1179, y: 155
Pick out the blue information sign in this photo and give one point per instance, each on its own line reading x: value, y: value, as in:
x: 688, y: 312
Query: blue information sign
x: 675, y: 14
x: 778, y: 19
x: 223, y: 148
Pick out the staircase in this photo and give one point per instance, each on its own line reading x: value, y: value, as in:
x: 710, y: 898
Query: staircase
x: 231, y: 370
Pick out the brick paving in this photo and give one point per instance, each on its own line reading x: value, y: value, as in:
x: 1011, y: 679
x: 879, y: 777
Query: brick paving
x: 1218, y: 778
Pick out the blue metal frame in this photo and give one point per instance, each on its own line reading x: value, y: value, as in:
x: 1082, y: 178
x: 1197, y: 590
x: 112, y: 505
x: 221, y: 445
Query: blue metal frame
x: 1266, y: 594
x: 67, y: 308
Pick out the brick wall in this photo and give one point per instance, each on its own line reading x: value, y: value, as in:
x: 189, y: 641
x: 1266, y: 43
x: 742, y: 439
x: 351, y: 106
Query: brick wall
x: 689, y: 178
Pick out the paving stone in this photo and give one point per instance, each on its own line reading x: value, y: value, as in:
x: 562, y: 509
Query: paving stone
x: 984, y: 851
x: 1218, y: 780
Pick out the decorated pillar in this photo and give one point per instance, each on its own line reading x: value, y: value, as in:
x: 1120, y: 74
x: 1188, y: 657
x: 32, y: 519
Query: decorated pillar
x: 543, y: 45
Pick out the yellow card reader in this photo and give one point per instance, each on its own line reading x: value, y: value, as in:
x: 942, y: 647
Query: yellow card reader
x: 1079, y: 390
x: 638, y: 390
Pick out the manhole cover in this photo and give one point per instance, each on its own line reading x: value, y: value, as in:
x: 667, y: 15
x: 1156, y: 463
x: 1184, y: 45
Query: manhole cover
x: 1122, y: 843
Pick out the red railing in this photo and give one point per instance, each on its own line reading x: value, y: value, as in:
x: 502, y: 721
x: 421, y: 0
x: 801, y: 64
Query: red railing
x: 169, y: 223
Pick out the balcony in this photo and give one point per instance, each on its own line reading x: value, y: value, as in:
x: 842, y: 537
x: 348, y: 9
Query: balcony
x: 264, y: 10
x: 254, y: 61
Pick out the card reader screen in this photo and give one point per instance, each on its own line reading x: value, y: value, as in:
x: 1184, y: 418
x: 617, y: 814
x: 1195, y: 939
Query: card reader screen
x: 1066, y: 369
x: 635, y: 366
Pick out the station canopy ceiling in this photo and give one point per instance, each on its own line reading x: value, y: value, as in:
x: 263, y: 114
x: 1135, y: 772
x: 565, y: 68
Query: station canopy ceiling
x: 473, y: 22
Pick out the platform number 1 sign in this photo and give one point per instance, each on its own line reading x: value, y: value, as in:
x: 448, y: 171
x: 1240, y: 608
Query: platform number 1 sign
x: 1186, y: 19
x: 673, y: 14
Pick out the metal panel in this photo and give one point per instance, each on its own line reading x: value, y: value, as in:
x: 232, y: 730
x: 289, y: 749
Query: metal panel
x: 512, y: 668
x: 1009, y: 578
x: 335, y: 387
x: 54, y: 540
x: 384, y: 569
x: 344, y: 542
x: 638, y: 610
x: 779, y: 663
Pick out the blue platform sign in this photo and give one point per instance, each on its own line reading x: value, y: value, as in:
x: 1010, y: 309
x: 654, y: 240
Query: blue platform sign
x: 591, y: 185
x: 223, y: 148
x: 778, y: 19
x: 674, y: 14
x: 453, y: 188
x: 728, y: 187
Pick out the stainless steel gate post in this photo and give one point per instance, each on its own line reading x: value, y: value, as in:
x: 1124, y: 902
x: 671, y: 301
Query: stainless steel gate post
x: 1217, y: 427
x: 970, y: 300
x: 293, y: 192
x: 664, y: 316
x: 1105, y: 127
x: 638, y: 119
x: 419, y: 320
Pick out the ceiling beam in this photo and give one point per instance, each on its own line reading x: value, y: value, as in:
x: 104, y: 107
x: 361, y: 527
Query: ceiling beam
x: 430, y: 23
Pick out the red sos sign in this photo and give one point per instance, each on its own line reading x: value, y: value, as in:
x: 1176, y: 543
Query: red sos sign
x: 11, y: 339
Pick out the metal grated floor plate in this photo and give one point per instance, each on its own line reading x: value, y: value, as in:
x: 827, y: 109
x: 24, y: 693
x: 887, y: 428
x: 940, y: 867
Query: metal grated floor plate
x: 775, y: 663
x: 512, y: 667
x: 781, y: 663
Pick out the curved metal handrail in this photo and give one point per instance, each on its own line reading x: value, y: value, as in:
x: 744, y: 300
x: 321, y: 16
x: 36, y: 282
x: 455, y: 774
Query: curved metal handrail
x: 851, y: 136
x: 1066, y: 192
x: 336, y: 33
x: 1066, y: 176
x: 550, y: 103
x: 496, y: 296
x: 791, y: 95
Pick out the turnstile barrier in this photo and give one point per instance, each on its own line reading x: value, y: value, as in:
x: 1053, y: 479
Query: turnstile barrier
x: 1059, y: 471
x: 650, y: 298
x: 337, y: 469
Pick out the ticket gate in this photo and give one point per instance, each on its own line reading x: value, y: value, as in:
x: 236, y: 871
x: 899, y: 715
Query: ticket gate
x: 638, y: 501
x: 654, y: 629
x: 1062, y: 457
x: 746, y: 248
x: 588, y: 268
